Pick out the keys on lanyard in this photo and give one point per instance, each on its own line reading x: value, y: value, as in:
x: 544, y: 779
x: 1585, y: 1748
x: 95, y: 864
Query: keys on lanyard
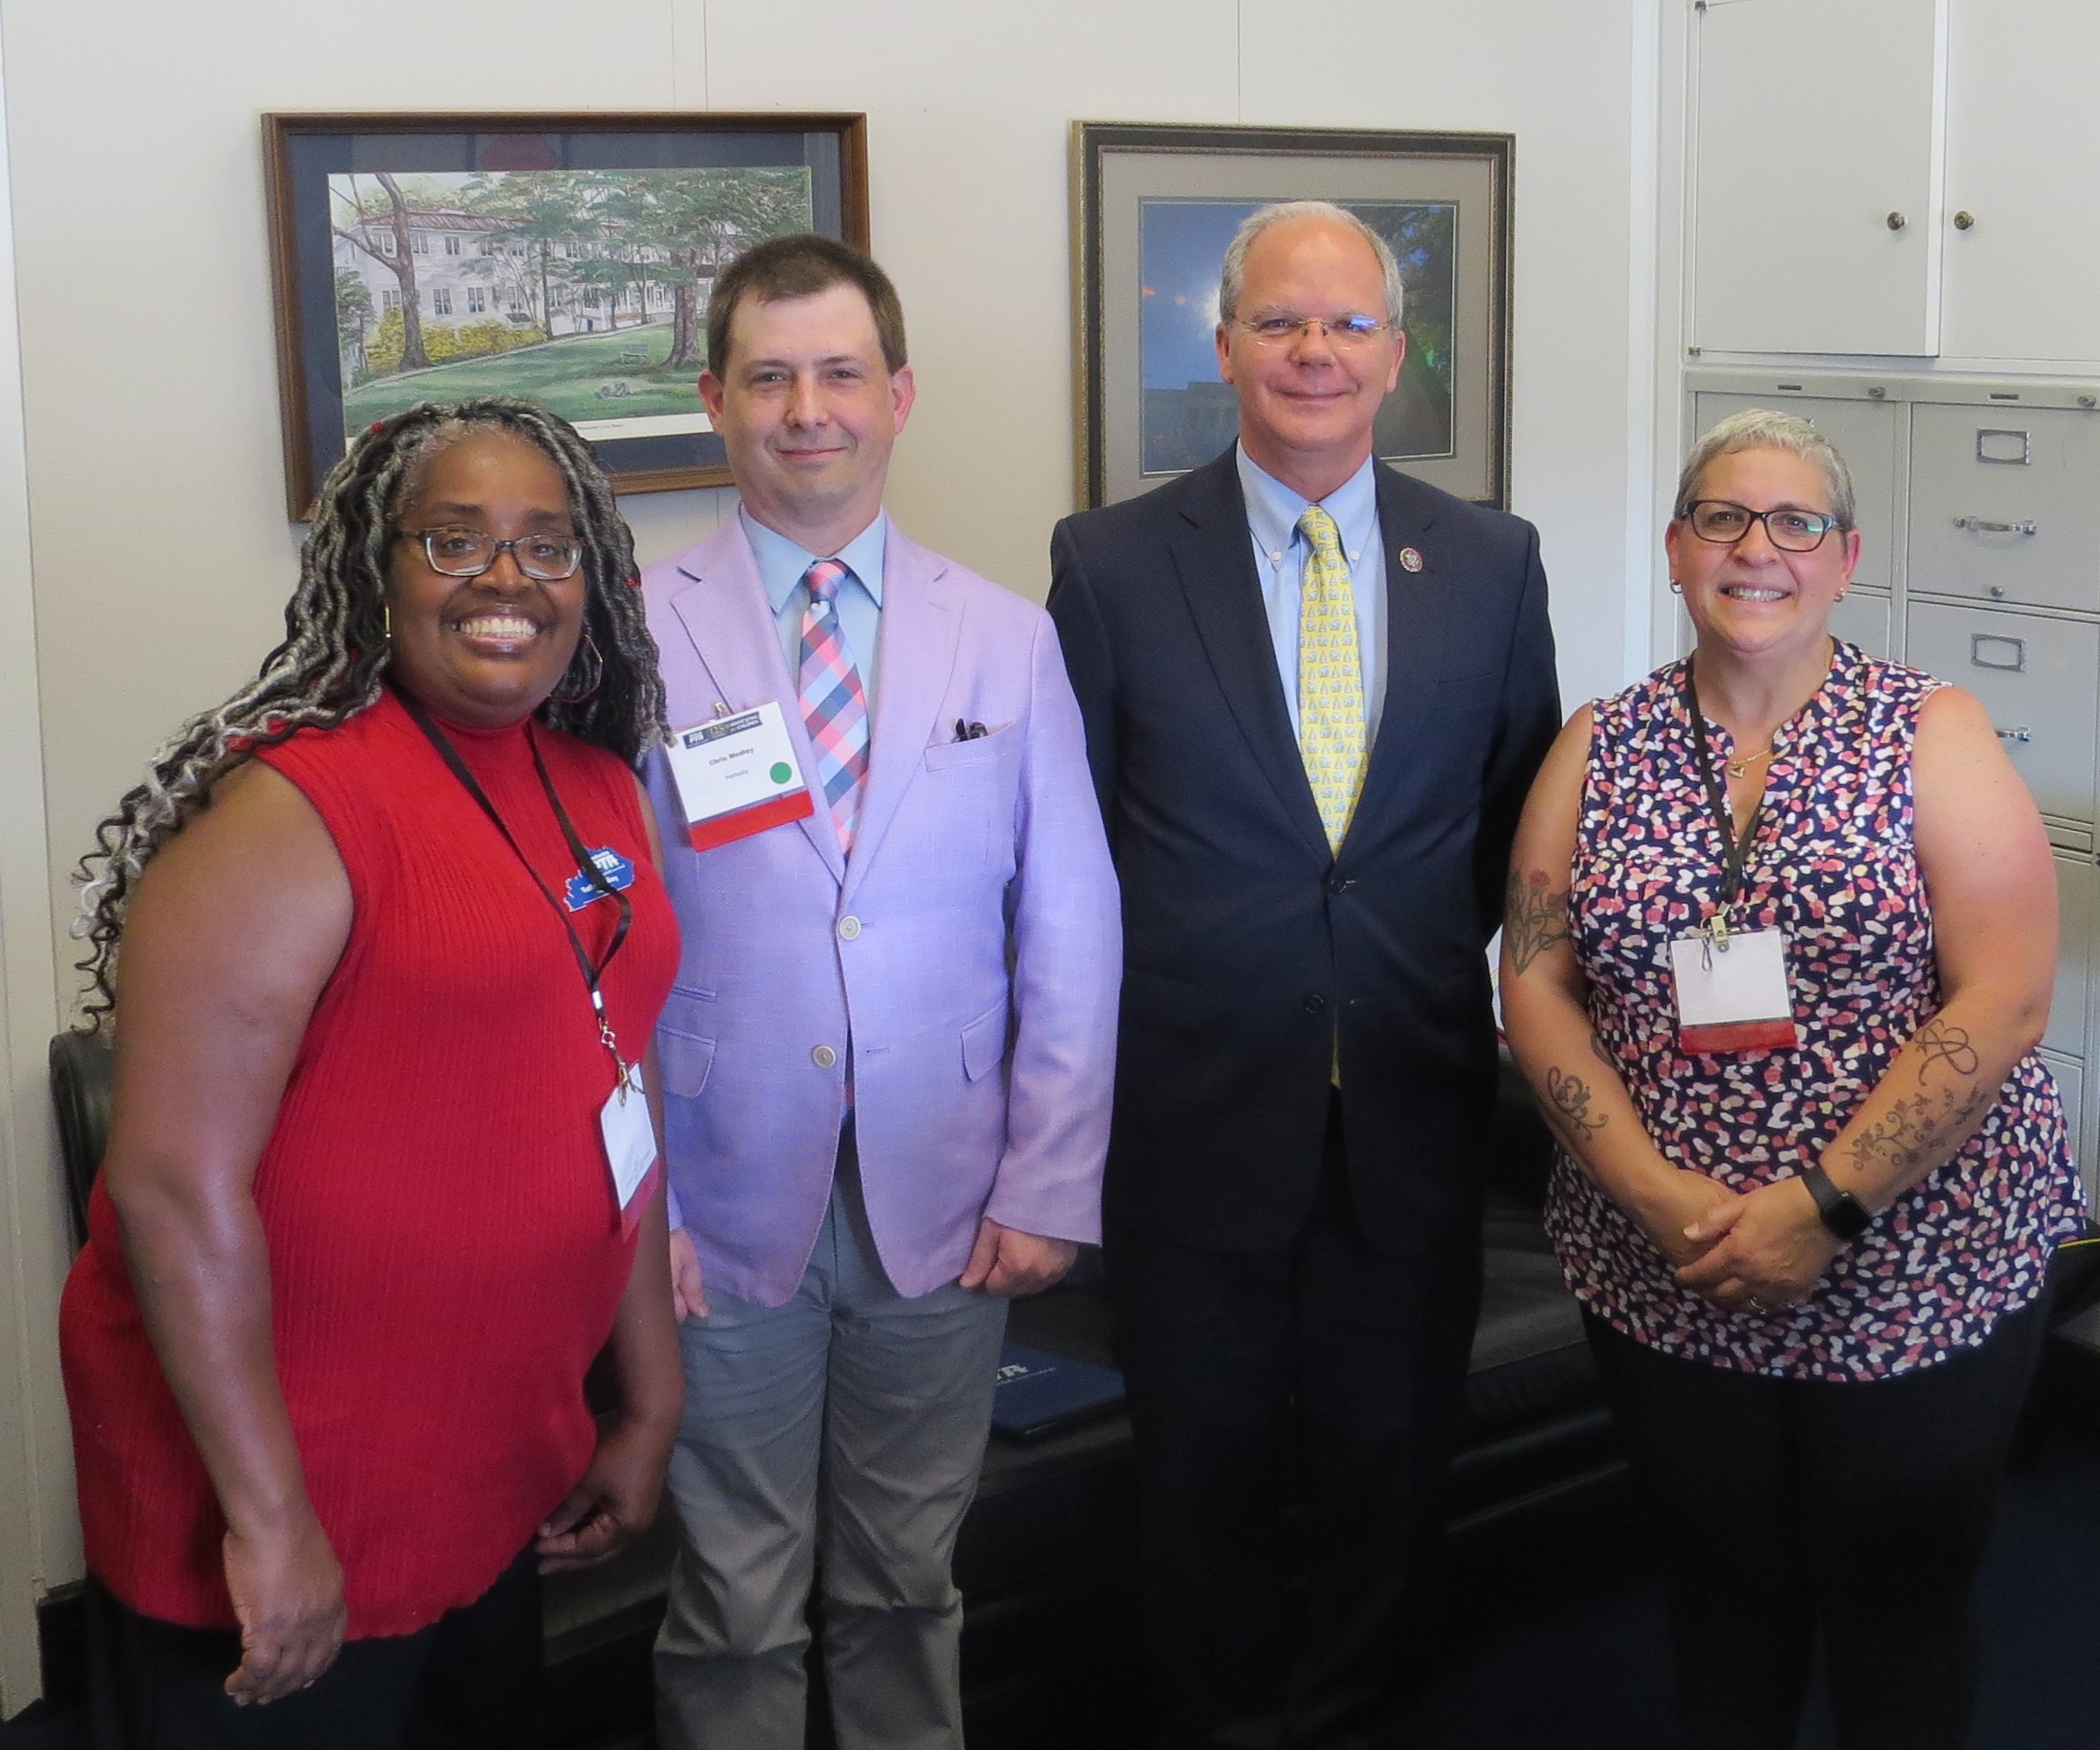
x: 1735, y: 848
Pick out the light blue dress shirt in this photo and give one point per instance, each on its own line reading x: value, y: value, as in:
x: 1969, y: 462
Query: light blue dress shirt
x: 1280, y: 553
x: 781, y: 567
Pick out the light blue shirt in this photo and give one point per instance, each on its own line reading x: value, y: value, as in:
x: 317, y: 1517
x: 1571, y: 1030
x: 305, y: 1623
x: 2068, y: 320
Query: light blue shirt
x: 1280, y: 553
x: 781, y: 567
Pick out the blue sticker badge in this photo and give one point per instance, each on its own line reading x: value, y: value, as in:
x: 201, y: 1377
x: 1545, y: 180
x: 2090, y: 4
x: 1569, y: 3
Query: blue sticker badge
x: 581, y: 890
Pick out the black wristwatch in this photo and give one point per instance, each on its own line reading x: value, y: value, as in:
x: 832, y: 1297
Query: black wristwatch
x: 1843, y: 1214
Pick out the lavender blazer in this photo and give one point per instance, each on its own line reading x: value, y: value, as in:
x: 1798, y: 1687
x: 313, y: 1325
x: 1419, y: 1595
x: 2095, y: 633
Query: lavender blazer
x: 964, y: 965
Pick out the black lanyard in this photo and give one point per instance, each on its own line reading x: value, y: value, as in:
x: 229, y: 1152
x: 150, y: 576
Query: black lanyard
x: 593, y: 972
x: 1734, y: 848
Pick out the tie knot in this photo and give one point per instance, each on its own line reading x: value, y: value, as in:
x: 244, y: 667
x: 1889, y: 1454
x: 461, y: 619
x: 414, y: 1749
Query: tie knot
x: 1319, y: 528
x: 824, y: 579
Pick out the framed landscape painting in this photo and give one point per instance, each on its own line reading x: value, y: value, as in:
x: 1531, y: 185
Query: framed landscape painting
x: 564, y: 259
x: 1154, y: 206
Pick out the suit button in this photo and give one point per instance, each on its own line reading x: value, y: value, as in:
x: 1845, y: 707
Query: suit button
x: 1315, y: 1004
x: 823, y: 1057
x: 1340, y: 884
x: 849, y: 929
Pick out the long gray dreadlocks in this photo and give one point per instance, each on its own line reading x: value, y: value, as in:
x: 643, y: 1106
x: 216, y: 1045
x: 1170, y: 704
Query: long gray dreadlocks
x: 335, y: 648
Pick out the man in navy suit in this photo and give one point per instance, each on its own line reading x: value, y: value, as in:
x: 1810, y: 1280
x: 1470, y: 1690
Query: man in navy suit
x: 1315, y: 692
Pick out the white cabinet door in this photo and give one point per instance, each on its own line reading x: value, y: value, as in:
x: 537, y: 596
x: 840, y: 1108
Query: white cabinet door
x: 2022, y: 162
x: 1820, y: 128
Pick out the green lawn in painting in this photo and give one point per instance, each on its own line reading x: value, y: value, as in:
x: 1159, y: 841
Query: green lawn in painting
x: 606, y: 376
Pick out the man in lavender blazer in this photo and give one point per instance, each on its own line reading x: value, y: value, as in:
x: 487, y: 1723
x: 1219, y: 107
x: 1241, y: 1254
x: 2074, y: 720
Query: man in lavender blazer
x: 886, y: 1069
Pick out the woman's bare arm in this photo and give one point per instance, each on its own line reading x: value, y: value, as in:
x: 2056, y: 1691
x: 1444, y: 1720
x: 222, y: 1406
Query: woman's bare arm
x: 236, y: 926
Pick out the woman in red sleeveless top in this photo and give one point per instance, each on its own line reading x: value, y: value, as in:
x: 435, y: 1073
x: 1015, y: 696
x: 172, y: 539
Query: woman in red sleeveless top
x: 378, y: 1185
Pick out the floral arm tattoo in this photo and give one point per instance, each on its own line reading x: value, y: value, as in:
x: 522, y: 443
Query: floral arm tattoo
x: 1533, y: 917
x: 1921, y: 1130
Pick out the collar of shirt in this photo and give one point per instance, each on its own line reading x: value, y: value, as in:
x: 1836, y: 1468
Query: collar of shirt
x: 1280, y: 553
x: 782, y: 564
x: 1273, y: 511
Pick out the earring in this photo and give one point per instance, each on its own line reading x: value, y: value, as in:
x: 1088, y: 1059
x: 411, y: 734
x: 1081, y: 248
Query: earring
x: 569, y: 693
x: 1676, y: 588
x: 1841, y: 595
x: 387, y: 621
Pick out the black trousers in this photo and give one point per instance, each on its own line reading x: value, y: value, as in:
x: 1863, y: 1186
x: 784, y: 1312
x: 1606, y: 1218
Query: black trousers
x: 1323, y: 1370
x: 469, y: 1681
x: 1790, y: 1508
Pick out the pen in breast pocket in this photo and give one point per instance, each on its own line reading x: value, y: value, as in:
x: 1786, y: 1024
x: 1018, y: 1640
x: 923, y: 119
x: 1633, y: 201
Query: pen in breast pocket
x: 967, y: 732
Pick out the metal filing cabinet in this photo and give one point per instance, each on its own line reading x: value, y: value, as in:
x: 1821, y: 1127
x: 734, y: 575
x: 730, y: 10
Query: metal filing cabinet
x: 1979, y: 511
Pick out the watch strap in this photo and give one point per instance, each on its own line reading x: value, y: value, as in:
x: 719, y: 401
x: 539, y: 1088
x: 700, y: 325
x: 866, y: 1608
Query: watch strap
x: 1842, y: 1213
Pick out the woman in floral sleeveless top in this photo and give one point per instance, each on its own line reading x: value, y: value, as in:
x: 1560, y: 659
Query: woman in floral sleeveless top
x: 1780, y: 946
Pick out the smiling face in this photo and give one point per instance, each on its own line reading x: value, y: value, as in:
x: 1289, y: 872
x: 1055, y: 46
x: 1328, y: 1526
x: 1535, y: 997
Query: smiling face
x: 484, y: 651
x: 1307, y: 406
x: 808, y: 412
x: 1753, y: 598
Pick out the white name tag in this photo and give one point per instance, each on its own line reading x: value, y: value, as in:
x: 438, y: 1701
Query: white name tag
x: 737, y: 776
x: 630, y: 1144
x: 1733, y: 998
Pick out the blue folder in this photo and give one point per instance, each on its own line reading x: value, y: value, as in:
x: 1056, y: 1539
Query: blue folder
x: 1040, y: 1394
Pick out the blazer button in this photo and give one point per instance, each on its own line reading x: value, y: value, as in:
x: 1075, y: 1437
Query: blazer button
x: 849, y: 929
x: 823, y: 1057
x: 1315, y: 1004
x: 1340, y: 884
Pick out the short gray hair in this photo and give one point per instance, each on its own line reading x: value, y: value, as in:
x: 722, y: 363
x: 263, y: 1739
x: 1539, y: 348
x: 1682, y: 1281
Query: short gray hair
x: 1761, y: 427
x: 1231, y: 280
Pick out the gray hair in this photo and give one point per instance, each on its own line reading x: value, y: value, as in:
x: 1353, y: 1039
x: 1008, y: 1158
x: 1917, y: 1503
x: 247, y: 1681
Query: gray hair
x: 336, y: 648
x: 1232, y: 278
x: 1760, y: 427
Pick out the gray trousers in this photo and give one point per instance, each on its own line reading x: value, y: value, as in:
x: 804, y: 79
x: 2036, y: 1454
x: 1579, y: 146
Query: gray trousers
x: 839, y: 1435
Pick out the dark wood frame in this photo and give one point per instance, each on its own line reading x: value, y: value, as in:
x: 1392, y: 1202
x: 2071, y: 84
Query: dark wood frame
x: 1092, y: 140
x: 308, y: 453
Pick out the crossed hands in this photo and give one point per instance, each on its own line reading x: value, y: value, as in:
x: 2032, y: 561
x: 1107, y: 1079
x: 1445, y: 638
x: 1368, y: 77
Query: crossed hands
x: 1757, y: 1251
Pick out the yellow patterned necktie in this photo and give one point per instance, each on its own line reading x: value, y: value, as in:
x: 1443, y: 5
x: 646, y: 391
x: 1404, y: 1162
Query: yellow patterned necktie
x: 1330, y: 681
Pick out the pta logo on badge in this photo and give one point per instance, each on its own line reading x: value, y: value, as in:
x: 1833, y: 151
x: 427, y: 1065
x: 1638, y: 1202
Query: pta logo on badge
x: 615, y: 870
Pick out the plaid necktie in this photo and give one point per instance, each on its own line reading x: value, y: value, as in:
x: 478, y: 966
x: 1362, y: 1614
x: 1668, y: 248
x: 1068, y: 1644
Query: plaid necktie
x: 833, y: 705
x: 1331, y: 683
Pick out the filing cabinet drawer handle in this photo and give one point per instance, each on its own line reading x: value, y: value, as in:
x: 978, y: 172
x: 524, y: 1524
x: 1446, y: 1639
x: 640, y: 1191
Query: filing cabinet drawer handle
x: 2003, y: 450
x: 1984, y: 525
x: 1984, y: 648
x: 2022, y: 735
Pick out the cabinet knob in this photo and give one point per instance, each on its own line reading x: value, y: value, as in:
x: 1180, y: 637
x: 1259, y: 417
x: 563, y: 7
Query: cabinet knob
x: 1963, y: 221
x: 1897, y: 221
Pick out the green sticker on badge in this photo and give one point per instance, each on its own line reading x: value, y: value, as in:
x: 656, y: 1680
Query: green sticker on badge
x: 782, y: 771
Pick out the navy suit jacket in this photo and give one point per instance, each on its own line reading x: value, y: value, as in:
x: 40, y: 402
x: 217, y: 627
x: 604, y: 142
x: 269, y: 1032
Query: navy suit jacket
x: 1247, y: 945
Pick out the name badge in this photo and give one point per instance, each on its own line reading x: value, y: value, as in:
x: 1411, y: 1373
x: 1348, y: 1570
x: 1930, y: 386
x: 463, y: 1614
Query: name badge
x: 616, y: 870
x: 737, y: 776
x: 629, y: 1146
x: 1732, y: 992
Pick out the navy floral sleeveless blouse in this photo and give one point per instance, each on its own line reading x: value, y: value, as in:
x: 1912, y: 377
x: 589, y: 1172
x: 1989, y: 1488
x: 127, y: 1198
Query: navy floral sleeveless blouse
x: 1834, y: 867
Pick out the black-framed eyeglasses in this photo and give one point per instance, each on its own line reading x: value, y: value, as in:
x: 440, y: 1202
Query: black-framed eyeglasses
x: 1724, y: 524
x: 467, y: 553
x: 1285, y: 327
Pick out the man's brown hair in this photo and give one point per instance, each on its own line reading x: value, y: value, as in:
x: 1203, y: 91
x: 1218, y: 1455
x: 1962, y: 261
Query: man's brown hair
x: 801, y: 267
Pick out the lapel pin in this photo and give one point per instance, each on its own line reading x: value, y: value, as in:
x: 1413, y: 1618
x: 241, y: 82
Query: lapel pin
x: 1409, y: 560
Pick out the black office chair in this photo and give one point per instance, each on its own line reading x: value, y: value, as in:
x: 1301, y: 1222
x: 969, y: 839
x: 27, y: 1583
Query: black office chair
x: 80, y: 1077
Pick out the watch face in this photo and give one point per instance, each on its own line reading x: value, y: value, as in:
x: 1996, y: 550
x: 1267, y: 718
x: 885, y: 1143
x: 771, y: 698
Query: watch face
x: 1846, y: 1216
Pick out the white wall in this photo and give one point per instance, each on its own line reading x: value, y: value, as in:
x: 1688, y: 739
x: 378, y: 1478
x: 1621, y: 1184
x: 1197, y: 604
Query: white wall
x: 161, y: 553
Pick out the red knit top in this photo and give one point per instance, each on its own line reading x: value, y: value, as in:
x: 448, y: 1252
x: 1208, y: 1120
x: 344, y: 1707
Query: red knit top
x: 445, y: 1245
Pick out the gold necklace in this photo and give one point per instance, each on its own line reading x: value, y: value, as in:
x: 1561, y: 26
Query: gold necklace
x: 1740, y: 769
